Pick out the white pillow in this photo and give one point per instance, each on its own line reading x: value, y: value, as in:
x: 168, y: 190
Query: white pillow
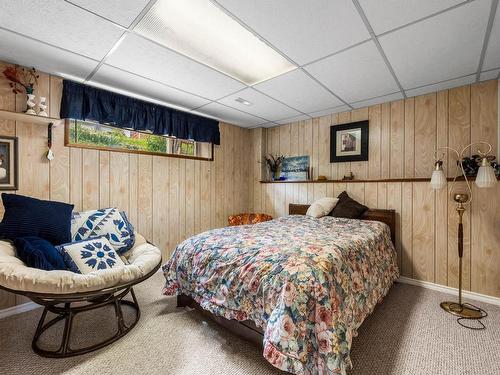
x: 322, y: 207
x: 90, y: 255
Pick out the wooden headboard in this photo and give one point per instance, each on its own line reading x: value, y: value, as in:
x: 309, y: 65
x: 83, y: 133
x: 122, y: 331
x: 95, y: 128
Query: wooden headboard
x: 385, y: 216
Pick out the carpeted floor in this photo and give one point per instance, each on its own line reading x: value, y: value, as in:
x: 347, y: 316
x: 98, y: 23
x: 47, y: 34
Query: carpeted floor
x: 407, y: 334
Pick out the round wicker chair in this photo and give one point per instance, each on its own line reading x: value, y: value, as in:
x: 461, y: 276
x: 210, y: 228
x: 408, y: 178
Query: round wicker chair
x: 66, y: 293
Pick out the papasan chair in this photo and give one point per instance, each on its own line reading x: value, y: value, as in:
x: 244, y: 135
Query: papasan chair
x: 66, y: 293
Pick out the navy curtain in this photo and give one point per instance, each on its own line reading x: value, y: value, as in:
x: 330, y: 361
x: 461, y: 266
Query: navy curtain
x: 82, y: 102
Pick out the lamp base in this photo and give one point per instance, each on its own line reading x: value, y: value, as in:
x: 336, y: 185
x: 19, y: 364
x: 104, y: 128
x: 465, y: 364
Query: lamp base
x: 462, y: 311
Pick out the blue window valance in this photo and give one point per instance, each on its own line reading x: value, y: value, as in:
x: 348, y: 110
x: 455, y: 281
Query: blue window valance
x: 82, y: 102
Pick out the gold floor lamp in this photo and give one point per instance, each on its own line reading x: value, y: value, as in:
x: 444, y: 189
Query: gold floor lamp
x: 485, y: 178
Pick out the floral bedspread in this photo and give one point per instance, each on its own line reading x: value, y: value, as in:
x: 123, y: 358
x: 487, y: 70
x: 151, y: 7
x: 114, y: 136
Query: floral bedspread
x: 308, y: 283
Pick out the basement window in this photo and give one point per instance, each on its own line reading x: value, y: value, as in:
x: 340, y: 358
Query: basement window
x: 92, y: 135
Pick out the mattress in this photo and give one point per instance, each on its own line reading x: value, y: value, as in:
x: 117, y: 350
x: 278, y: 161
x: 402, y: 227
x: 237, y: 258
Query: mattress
x: 308, y: 283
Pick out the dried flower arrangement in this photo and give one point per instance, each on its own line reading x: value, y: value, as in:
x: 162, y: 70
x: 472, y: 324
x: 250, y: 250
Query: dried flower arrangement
x: 24, y: 77
x: 274, y: 163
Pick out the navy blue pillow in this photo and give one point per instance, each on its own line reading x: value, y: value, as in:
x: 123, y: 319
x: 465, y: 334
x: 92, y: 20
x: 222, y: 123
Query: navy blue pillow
x: 25, y: 216
x: 38, y: 253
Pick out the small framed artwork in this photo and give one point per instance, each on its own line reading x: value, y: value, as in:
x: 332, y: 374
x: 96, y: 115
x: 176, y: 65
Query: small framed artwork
x: 349, y: 142
x: 8, y: 163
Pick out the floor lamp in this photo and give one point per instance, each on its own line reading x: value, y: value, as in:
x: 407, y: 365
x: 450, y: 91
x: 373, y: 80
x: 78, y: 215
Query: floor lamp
x: 485, y: 178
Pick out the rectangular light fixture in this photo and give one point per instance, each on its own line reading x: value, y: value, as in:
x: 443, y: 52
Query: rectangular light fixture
x: 201, y: 30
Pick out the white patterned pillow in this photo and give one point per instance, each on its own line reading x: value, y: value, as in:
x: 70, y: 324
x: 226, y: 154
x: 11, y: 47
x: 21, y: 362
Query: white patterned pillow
x: 90, y: 255
x: 107, y: 222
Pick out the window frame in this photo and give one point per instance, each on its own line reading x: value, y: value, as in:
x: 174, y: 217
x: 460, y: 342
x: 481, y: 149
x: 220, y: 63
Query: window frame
x: 68, y: 143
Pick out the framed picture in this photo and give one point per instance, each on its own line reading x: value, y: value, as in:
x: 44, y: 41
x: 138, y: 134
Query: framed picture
x: 8, y: 163
x: 295, y: 168
x: 349, y: 142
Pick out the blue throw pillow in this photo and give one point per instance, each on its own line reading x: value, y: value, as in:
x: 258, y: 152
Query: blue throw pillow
x: 39, y: 253
x: 107, y: 222
x: 90, y: 255
x: 25, y: 216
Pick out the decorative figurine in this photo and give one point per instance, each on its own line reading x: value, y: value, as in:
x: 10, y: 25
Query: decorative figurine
x: 43, y: 106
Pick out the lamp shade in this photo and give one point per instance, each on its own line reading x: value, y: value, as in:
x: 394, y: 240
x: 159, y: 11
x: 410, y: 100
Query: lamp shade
x: 438, y: 179
x: 486, y: 176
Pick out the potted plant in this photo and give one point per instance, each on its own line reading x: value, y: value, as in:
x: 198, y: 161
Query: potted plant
x: 27, y: 79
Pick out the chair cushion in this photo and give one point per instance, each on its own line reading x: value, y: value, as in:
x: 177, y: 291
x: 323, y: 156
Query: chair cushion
x: 26, y: 216
x: 90, y: 255
x: 38, y: 253
x: 348, y: 208
x: 247, y: 218
x: 107, y: 221
x: 15, y: 275
x: 322, y: 207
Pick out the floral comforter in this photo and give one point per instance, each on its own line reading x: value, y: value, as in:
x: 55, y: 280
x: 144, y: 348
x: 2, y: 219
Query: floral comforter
x: 308, y: 283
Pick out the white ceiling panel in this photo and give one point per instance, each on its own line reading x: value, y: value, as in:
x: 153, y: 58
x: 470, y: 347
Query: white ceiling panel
x: 122, y: 12
x: 441, y: 86
x: 261, y: 105
x: 24, y: 51
x: 290, y: 87
x: 490, y: 74
x: 381, y: 99
x: 113, y: 77
x: 303, y: 31
x: 356, y: 74
x: 492, y: 57
x: 329, y: 111
x: 293, y: 119
x: 439, y: 48
x: 143, y: 57
x: 229, y: 115
x: 385, y: 15
x: 61, y: 24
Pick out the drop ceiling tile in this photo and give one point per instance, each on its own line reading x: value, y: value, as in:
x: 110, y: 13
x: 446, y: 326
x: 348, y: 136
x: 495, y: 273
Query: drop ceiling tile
x: 229, y: 115
x: 20, y: 50
x: 293, y: 119
x: 304, y: 32
x: 378, y: 100
x: 122, y: 12
x: 61, y: 24
x: 299, y: 91
x: 490, y: 74
x: 143, y: 57
x: 438, y: 48
x: 261, y: 105
x: 356, y: 74
x: 492, y: 57
x: 457, y: 82
x: 119, y: 79
x: 329, y: 111
x: 385, y: 15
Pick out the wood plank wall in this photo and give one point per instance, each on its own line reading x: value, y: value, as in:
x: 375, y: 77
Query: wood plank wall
x: 167, y: 199
x: 402, y: 138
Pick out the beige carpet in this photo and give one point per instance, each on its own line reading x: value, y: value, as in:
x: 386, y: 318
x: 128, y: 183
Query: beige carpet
x: 407, y: 334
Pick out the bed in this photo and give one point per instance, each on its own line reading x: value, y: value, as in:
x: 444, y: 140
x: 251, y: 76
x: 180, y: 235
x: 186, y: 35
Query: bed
x: 298, y: 286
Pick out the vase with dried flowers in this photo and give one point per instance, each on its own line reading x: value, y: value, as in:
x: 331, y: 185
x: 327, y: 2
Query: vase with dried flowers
x: 274, y: 164
x: 27, y: 79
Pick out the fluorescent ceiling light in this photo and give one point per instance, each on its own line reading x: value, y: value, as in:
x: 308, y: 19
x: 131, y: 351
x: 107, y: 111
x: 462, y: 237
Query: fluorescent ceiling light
x: 243, y: 101
x: 201, y: 30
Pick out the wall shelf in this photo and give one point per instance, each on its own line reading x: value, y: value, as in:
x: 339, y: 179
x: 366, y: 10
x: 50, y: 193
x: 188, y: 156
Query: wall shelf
x: 414, y: 179
x: 23, y: 117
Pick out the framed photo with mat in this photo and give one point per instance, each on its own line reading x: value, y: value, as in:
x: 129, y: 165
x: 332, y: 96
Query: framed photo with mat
x: 8, y: 163
x: 349, y: 142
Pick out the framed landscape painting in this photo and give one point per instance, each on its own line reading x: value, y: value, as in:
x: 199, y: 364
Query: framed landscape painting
x: 8, y: 163
x: 349, y: 142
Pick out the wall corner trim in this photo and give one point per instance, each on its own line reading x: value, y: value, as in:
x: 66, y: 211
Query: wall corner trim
x: 449, y: 290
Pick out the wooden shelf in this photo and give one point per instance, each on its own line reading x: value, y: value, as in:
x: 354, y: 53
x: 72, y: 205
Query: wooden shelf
x: 23, y: 117
x: 415, y: 179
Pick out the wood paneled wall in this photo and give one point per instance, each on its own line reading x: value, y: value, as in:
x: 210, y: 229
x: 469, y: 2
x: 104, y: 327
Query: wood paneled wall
x: 402, y: 138
x: 167, y: 199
